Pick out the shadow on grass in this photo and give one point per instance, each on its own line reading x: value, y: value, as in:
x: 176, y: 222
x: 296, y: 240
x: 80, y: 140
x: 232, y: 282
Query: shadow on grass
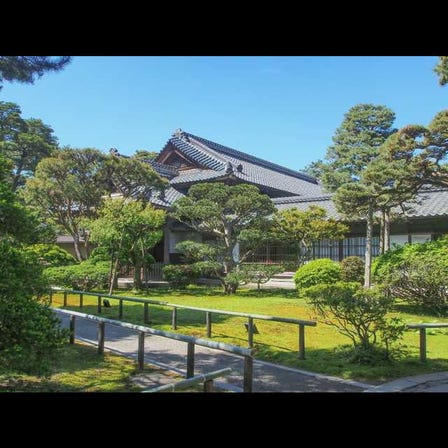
x: 417, y: 309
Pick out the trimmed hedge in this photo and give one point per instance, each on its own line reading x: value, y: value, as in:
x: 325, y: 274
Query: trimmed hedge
x: 352, y: 269
x: 317, y: 272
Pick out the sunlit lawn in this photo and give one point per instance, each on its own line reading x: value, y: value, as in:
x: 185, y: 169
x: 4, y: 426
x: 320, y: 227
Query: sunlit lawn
x: 276, y: 342
x: 78, y: 368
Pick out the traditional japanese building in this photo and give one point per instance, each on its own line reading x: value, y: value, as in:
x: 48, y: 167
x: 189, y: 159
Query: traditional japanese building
x: 187, y: 159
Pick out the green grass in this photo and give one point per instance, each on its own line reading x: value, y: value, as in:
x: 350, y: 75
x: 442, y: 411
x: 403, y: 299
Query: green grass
x: 277, y: 342
x: 79, y: 369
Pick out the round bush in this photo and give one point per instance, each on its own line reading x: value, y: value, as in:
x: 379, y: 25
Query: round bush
x: 316, y: 272
x: 352, y: 269
x: 51, y: 255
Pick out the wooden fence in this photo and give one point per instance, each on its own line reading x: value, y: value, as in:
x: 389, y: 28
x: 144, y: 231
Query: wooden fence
x: 206, y: 379
x: 143, y: 331
x: 208, y: 314
x: 422, y: 327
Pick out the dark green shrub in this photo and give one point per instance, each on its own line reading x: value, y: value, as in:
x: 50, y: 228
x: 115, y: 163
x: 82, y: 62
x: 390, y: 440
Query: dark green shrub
x: 352, y: 269
x: 360, y: 315
x: 29, y: 331
x: 51, y: 255
x: 416, y: 273
x: 84, y: 276
x: 260, y: 273
x: 317, y: 272
x: 179, y: 275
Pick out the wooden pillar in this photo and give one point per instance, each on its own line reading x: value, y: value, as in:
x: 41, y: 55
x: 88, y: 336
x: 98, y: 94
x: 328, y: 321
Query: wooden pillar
x: 422, y: 344
x: 51, y: 296
x: 301, y: 341
x: 250, y: 331
x: 174, y: 319
x: 120, y: 309
x: 72, y: 329
x: 208, y: 323
x: 208, y: 386
x: 166, y: 243
x: 248, y: 373
x: 190, y: 360
x: 101, y: 337
x: 141, y: 350
x: 81, y: 300
x: 99, y: 305
x: 146, y: 313
x: 65, y: 298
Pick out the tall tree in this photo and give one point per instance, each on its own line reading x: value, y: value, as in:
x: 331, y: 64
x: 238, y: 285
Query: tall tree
x: 26, y: 69
x: 441, y: 69
x: 68, y: 188
x: 356, y: 143
x: 128, y: 229
x: 24, y: 141
x: 236, y: 216
x: 301, y: 229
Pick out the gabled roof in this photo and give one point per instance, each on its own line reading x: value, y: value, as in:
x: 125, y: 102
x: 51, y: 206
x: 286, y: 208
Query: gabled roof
x: 225, y: 161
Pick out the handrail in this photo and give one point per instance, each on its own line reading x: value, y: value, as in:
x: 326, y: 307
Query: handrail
x: 206, y: 378
x: 190, y: 340
x: 208, y: 312
x: 422, y: 327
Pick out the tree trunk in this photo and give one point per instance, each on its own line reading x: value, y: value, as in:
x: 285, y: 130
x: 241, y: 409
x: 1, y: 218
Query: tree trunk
x: 382, y: 220
x: 114, y: 279
x: 76, y: 247
x: 368, y: 253
x: 138, y: 274
x: 387, y: 231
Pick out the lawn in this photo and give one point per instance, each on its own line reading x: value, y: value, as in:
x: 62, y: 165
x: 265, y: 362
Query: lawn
x: 79, y: 368
x: 277, y: 342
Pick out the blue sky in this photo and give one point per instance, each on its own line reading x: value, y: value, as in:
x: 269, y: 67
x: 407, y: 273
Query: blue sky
x: 283, y: 109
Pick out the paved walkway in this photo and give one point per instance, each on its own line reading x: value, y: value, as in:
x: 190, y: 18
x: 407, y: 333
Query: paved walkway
x: 172, y: 355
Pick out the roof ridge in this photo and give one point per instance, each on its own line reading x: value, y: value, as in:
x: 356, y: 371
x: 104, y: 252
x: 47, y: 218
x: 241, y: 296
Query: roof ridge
x: 256, y: 160
x: 292, y: 199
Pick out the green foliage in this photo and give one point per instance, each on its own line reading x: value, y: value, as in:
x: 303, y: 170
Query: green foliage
x: 352, y: 269
x: 442, y: 70
x: 26, y: 69
x: 84, y: 276
x: 145, y: 155
x: 259, y: 273
x: 179, y: 275
x: 51, y: 255
x: 233, y: 215
x: 416, y: 273
x: 359, y: 314
x: 303, y: 228
x: 318, y: 271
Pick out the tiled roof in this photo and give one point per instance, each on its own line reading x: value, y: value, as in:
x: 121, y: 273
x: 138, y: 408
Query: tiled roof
x: 163, y: 169
x: 248, y: 168
x: 429, y: 203
x: 171, y: 194
x: 189, y: 176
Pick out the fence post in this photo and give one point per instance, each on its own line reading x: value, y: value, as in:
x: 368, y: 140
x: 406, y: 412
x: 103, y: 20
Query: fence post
x: 423, y: 344
x: 301, y: 341
x: 65, y: 298
x: 146, y: 313
x: 72, y: 329
x: 120, y: 309
x: 190, y: 360
x: 101, y: 334
x: 248, y: 373
x: 250, y: 331
x: 208, y: 323
x: 81, y: 300
x: 99, y: 304
x: 174, y: 319
x: 51, y: 296
x: 208, y: 386
x: 141, y: 350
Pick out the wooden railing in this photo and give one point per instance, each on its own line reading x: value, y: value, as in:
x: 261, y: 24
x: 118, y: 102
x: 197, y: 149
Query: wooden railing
x: 143, y: 331
x: 206, y: 379
x: 208, y: 314
x: 422, y: 327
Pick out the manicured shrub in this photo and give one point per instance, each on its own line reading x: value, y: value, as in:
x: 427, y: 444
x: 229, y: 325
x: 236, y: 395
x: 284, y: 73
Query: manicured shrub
x: 352, y: 269
x: 416, y: 273
x: 359, y: 314
x: 317, y: 272
x: 51, y: 255
x: 29, y: 330
x: 83, y: 276
x: 179, y: 275
x: 260, y: 273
